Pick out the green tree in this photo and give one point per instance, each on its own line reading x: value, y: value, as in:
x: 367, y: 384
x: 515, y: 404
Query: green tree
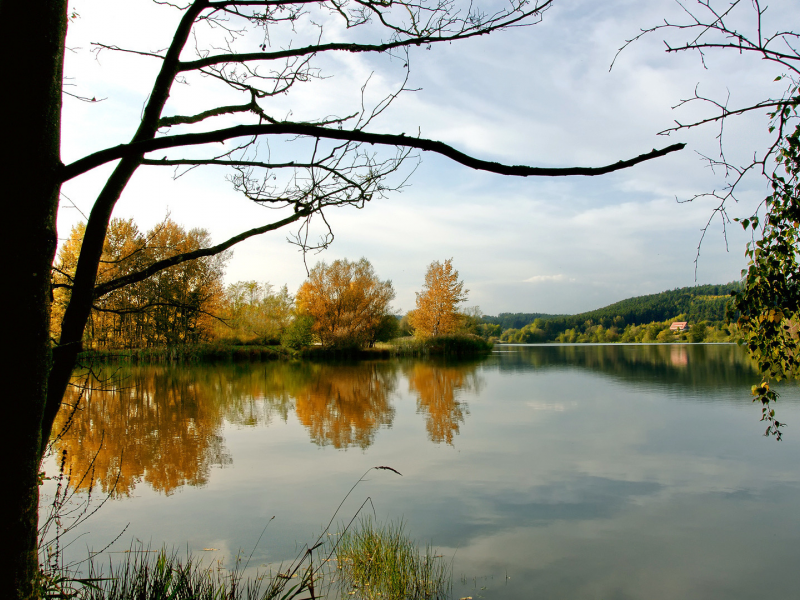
x: 768, y: 305
x: 764, y: 309
x: 342, y: 173
x: 388, y: 328
x: 252, y: 312
x: 299, y: 333
x: 697, y: 333
x: 471, y: 320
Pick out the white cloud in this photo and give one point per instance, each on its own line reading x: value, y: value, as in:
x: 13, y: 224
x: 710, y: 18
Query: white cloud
x: 541, y: 95
x: 547, y: 278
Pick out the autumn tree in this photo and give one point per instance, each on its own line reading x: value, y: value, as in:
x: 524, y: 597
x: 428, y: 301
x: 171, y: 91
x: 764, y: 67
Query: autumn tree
x: 254, y: 312
x: 330, y: 161
x: 437, y: 303
x: 347, y: 302
x: 174, y: 306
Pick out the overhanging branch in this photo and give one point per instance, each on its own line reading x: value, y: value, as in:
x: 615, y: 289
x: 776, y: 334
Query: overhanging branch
x: 192, y: 139
x: 437, y: 34
x: 114, y: 284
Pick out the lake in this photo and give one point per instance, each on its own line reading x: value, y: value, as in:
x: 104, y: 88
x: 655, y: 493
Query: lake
x: 554, y: 471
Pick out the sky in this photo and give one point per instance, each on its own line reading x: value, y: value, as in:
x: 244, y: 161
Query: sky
x: 540, y: 96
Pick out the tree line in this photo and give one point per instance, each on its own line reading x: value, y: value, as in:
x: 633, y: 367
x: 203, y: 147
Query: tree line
x: 638, y: 319
x: 341, y: 305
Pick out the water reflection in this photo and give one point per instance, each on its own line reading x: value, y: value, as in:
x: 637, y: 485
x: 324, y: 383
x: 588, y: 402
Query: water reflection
x: 346, y: 405
x: 437, y: 388
x: 150, y: 425
x: 695, y: 366
x: 162, y: 425
x: 576, y: 472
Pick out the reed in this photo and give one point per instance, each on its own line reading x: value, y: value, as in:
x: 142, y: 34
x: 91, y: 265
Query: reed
x: 190, y: 353
x: 380, y: 561
x: 160, y: 575
x: 457, y: 344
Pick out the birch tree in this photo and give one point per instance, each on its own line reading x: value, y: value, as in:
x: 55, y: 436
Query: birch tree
x: 437, y: 303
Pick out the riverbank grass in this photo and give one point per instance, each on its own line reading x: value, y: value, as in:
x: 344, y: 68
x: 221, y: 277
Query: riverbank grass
x: 457, y: 344
x: 189, y: 353
x: 379, y: 561
x: 158, y: 575
x: 373, y: 561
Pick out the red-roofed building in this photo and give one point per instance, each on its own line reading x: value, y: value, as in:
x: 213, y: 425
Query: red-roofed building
x: 679, y: 326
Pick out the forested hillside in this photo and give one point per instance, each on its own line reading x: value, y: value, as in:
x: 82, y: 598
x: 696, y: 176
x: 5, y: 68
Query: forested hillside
x: 703, y: 306
x: 699, y: 303
x: 517, y: 320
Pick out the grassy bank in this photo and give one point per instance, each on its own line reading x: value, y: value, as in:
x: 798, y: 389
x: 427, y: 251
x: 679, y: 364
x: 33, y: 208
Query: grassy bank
x: 444, y: 345
x: 379, y: 561
x: 367, y: 561
x: 194, y: 353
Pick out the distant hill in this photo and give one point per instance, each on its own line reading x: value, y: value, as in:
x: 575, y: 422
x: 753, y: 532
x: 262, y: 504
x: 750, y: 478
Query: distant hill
x: 697, y: 303
x: 517, y: 320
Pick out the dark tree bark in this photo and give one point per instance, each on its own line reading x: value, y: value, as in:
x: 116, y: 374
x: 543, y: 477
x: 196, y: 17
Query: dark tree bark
x: 30, y: 174
x: 80, y: 305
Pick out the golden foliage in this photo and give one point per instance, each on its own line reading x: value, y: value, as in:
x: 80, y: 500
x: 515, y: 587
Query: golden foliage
x: 162, y: 425
x: 170, y: 307
x: 436, y: 312
x: 437, y: 389
x: 346, y: 300
x: 151, y: 426
x: 253, y: 312
x: 346, y: 405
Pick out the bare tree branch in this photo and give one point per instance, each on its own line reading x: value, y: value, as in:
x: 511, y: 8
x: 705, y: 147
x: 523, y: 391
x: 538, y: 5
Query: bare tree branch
x: 114, y: 284
x: 190, y: 139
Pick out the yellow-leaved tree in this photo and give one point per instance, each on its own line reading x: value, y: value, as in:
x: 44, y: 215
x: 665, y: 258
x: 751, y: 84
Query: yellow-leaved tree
x: 347, y: 302
x: 436, y: 312
x: 173, y: 306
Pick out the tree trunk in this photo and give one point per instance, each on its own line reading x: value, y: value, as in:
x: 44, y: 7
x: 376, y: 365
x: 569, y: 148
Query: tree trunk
x: 33, y: 33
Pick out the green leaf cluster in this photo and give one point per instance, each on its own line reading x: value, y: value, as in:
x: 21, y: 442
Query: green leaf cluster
x: 766, y: 308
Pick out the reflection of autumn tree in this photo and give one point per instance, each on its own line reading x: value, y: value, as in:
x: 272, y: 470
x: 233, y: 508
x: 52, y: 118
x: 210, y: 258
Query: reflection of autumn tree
x: 437, y: 388
x: 161, y: 425
x: 345, y: 405
x: 147, y: 426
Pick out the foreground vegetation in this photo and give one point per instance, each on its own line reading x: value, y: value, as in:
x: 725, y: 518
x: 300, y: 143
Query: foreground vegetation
x: 372, y: 560
x: 379, y: 561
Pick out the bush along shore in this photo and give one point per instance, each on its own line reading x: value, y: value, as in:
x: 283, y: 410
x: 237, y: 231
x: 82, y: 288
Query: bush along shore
x: 188, y: 353
x: 444, y: 345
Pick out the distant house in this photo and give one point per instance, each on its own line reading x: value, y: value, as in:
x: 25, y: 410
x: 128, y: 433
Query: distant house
x: 679, y: 326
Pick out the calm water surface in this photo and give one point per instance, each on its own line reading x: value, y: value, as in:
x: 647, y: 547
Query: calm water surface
x: 545, y: 471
